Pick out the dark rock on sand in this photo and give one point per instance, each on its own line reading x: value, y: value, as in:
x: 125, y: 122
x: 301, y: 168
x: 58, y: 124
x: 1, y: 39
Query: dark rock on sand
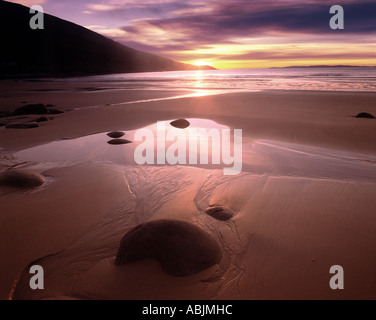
x: 21, y: 178
x: 180, y: 123
x: 365, y: 115
x: 55, y: 111
x: 115, y: 134
x: 2, y: 124
x: 5, y: 114
x: 38, y: 108
x: 181, y: 247
x: 220, y: 212
x: 119, y: 141
x: 42, y: 119
x: 22, y: 126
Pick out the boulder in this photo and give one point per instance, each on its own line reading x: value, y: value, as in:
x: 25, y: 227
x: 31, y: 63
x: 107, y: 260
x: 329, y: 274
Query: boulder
x: 220, y: 212
x: 182, y: 248
x: 21, y: 178
x: 29, y: 125
x: 5, y: 114
x: 365, y: 115
x: 55, y: 111
x: 38, y: 108
x: 119, y: 141
x: 180, y: 123
x: 42, y: 119
x: 115, y: 134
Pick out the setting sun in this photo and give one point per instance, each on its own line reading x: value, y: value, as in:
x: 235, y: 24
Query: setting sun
x: 201, y: 63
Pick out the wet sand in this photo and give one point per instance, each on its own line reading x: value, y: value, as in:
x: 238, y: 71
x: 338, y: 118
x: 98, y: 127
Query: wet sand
x: 304, y: 201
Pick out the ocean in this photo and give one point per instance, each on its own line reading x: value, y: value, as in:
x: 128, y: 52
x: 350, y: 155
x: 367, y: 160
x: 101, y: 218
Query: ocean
x: 294, y: 78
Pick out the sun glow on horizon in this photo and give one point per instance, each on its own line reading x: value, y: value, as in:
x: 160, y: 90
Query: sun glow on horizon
x: 281, y: 55
x: 201, y: 63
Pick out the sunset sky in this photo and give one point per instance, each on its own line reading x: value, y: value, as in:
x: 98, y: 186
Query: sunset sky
x: 231, y: 34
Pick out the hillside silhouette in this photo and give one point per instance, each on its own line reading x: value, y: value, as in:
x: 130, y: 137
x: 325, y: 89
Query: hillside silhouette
x: 63, y: 48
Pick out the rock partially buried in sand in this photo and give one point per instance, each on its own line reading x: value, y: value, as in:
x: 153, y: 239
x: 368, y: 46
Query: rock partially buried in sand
x: 365, y: 115
x: 119, y: 141
x: 43, y: 119
x: 115, y: 134
x: 182, y: 248
x: 5, y: 114
x: 220, y: 212
x: 21, y: 178
x: 55, y: 111
x: 180, y: 123
x: 38, y: 108
x: 22, y: 126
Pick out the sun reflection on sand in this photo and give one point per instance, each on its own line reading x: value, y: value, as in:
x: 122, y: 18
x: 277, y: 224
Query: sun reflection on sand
x: 199, y: 79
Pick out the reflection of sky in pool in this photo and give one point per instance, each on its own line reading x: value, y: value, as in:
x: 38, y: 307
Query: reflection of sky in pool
x: 95, y: 147
x: 258, y: 157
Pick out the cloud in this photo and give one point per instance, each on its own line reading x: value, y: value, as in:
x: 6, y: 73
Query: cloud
x: 139, y: 9
x: 243, y: 30
x: 239, y: 19
x: 236, y: 30
x: 101, y: 7
x: 29, y: 3
x: 108, y: 32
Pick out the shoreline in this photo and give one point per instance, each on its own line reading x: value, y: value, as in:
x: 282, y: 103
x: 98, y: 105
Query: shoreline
x: 322, y: 118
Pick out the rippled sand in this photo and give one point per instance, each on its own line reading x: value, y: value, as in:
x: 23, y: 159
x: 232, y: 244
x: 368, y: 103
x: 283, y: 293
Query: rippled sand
x: 301, y: 204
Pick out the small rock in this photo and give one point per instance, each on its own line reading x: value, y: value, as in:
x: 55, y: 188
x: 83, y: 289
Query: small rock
x: 5, y: 114
x: 365, y: 115
x: 119, y: 141
x: 180, y: 123
x: 42, y: 119
x: 55, y: 111
x: 22, y: 126
x: 21, y: 178
x: 182, y: 248
x: 2, y: 124
x: 38, y: 108
x: 115, y: 134
x: 220, y: 212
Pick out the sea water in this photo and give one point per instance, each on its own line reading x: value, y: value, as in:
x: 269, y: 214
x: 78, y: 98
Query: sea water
x: 295, y: 78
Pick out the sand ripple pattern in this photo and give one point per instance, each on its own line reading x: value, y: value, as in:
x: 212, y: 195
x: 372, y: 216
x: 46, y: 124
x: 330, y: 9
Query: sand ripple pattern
x: 151, y: 188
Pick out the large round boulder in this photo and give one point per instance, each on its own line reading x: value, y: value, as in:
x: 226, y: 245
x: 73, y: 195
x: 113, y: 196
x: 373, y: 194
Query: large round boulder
x: 182, y: 248
x: 21, y: 178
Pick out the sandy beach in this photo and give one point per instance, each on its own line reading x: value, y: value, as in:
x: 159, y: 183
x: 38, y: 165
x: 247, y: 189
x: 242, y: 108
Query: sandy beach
x: 304, y: 201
